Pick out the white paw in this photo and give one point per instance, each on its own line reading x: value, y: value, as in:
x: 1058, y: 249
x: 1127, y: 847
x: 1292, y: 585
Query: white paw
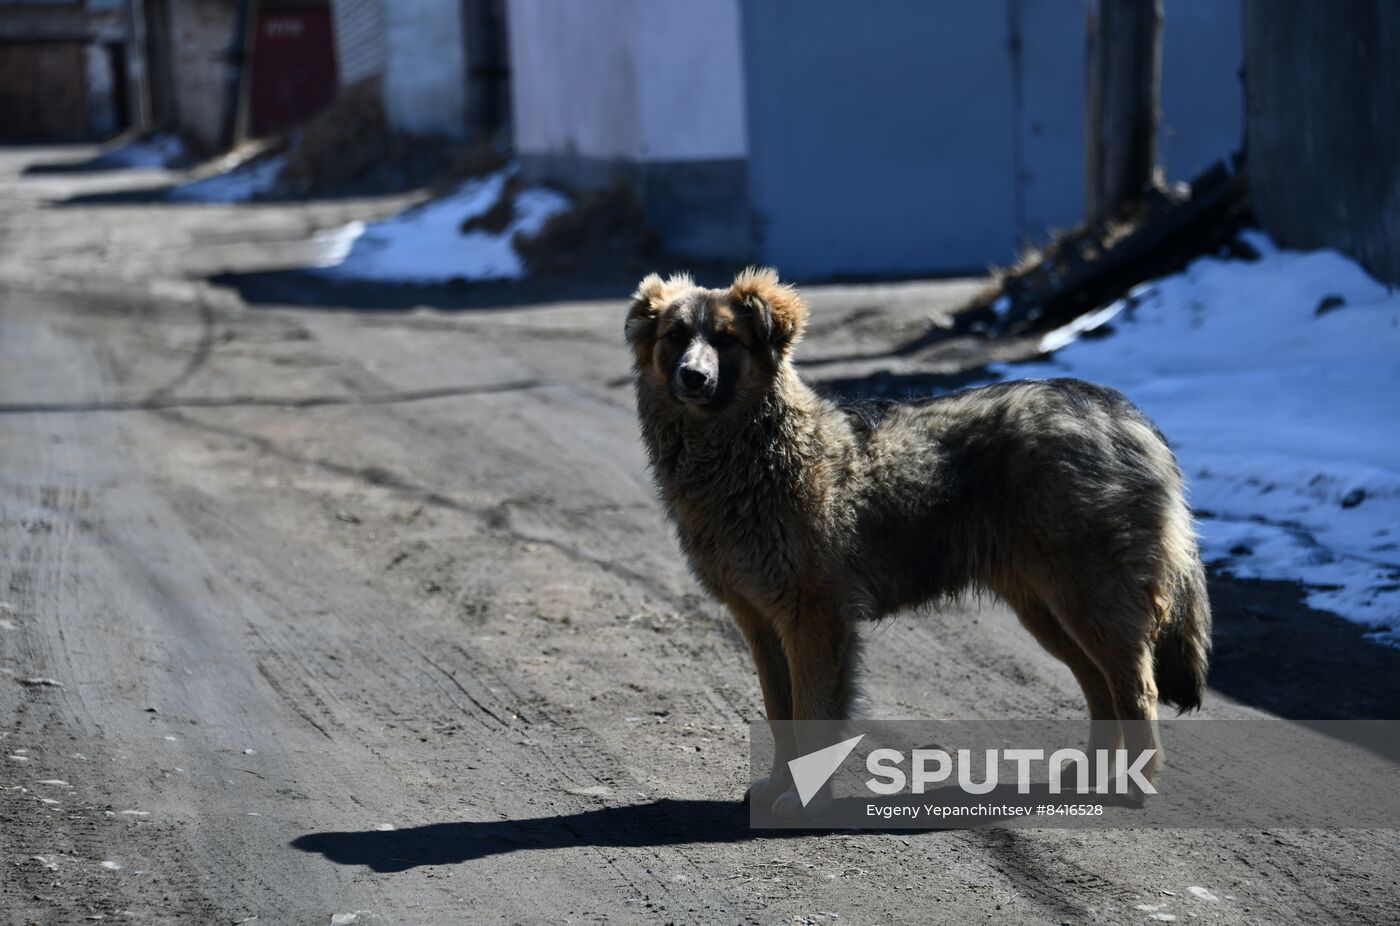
x: 763, y: 792
x: 788, y: 806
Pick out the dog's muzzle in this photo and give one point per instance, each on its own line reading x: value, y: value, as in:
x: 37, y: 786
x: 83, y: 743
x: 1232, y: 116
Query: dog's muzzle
x: 697, y: 374
x: 694, y: 385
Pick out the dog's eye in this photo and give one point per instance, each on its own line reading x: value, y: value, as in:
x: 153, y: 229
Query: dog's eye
x: 677, y: 335
x: 722, y: 339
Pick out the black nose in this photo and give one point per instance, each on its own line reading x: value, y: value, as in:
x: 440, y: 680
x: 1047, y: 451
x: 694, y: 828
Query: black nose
x: 691, y: 378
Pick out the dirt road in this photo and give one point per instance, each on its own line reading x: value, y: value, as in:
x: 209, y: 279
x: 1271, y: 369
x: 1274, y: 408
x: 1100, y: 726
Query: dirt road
x: 372, y: 615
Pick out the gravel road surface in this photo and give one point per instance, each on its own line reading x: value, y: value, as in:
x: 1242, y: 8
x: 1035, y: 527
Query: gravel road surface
x: 317, y: 616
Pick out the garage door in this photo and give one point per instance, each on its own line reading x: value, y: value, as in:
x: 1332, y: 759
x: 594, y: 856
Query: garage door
x: 294, y: 75
x: 910, y: 136
x: 42, y: 95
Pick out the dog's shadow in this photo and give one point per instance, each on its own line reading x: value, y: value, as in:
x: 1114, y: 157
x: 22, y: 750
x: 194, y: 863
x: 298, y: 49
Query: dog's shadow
x: 664, y: 822
x: 658, y: 823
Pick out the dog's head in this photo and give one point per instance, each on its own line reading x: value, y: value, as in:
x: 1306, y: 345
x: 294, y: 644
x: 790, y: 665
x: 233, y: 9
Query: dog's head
x: 712, y: 349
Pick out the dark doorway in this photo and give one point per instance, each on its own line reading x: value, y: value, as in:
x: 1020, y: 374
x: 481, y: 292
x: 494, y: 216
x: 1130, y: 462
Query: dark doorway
x: 43, y: 91
x: 294, y: 74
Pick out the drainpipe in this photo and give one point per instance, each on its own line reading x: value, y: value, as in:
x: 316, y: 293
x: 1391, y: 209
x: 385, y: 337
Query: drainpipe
x: 233, y: 73
x: 138, y: 68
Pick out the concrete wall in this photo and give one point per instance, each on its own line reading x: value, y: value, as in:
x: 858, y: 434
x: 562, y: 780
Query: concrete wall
x: 907, y: 136
x: 636, y: 80
x: 650, y: 90
x: 690, y: 80
x: 574, y: 78
x: 1324, y: 126
x: 425, y: 67
x: 201, y: 32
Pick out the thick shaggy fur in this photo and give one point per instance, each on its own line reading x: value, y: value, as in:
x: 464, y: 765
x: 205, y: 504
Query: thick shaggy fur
x: 806, y: 517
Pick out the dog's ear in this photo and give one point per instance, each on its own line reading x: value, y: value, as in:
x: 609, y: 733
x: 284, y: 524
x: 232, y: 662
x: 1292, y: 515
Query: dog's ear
x: 647, y: 303
x: 779, y: 313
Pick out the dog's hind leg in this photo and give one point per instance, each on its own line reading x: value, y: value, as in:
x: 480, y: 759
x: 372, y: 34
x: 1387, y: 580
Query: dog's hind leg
x: 1114, y: 628
x: 771, y: 663
x: 1135, y: 700
x: 1048, y: 631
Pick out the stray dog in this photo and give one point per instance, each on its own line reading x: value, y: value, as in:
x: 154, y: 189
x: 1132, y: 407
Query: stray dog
x: 806, y: 517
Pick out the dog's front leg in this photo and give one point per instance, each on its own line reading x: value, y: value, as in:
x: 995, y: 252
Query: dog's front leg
x: 823, y: 651
x: 767, y: 650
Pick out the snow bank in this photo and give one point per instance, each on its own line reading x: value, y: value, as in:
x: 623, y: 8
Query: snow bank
x: 237, y: 178
x: 154, y: 151
x: 1283, y: 405
x: 425, y: 244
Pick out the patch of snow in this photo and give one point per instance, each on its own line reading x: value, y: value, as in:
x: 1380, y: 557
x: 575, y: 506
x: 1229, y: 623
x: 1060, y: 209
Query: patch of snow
x: 1286, y: 421
x: 236, y: 180
x: 1068, y: 334
x: 159, y: 150
x: 1203, y: 893
x: 425, y: 244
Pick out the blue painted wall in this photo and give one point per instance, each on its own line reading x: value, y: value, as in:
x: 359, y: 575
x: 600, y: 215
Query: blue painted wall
x: 935, y: 136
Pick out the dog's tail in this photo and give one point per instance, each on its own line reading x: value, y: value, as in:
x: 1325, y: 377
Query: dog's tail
x: 1182, y: 649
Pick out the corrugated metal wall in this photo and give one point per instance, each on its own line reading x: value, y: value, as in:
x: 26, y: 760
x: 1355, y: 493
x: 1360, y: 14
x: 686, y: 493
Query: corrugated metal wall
x: 359, y: 39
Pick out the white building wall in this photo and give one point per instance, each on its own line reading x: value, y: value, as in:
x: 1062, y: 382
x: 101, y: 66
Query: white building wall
x: 574, y: 78
x: 627, y: 80
x: 690, y: 83
x: 425, y: 67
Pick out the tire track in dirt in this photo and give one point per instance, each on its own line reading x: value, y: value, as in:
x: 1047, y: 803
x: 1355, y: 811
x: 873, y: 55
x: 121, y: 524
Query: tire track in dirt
x: 557, y: 753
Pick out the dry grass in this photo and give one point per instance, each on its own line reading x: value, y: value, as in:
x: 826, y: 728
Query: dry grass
x: 606, y: 230
x: 502, y: 212
x: 350, y: 149
x: 339, y: 144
